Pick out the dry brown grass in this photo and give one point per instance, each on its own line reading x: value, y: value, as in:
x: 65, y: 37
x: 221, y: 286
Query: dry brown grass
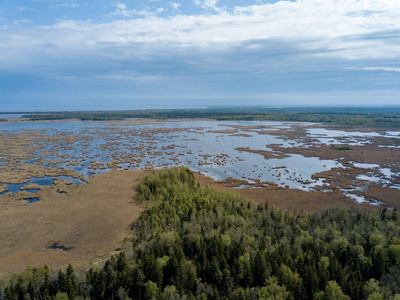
x: 92, y: 220
x: 285, y: 198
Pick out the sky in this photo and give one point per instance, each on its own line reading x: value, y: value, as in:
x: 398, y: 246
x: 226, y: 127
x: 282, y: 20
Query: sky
x: 137, y: 54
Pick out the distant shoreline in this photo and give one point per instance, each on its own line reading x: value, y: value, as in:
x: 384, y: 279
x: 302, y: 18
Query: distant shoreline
x: 384, y: 117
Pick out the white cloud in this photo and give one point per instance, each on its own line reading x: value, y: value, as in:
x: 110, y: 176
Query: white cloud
x: 121, y: 6
x: 175, y: 6
x: 65, y: 5
x: 320, y: 21
x: 208, y: 4
x: 388, y: 69
x: 130, y: 76
x: 339, y: 28
x: 122, y: 10
x: 22, y: 21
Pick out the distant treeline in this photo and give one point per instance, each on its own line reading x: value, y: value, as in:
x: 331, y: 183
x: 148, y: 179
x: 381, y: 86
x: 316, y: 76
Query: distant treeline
x: 374, y: 117
x: 198, y: 243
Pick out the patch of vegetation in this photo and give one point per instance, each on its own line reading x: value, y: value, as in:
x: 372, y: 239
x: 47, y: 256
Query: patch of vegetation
x: 341, y: 147
x: 3, y: 120
x: 198, y: 243
x: 373, y: 117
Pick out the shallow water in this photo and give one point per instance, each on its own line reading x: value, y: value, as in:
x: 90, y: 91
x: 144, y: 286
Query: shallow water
x: 32, y: 200
x: 362, y: 199
x: 190, y: 143
x: 42, y: 181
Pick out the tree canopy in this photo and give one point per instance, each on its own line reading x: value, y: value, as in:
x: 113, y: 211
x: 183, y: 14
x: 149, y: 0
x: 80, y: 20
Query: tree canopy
x: 199, y: 243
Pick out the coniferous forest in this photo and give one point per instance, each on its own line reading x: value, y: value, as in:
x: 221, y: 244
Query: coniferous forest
x: 377, y: 117
x: 198, y: 243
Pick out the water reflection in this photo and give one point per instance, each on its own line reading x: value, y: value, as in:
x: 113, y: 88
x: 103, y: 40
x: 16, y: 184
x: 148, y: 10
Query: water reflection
x: 92, y: 148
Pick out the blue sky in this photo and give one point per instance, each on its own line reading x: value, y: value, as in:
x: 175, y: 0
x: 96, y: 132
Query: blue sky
x: 80, y: 55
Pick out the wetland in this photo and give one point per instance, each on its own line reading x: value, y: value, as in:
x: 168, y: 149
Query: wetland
x: 68, y: 182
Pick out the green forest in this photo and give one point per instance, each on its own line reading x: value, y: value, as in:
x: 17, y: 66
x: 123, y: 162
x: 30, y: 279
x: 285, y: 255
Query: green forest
x: 378, y: 117
x: 199, y: 243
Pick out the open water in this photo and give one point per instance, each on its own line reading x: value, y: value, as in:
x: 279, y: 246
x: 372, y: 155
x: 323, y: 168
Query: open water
x: 194, y: 144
